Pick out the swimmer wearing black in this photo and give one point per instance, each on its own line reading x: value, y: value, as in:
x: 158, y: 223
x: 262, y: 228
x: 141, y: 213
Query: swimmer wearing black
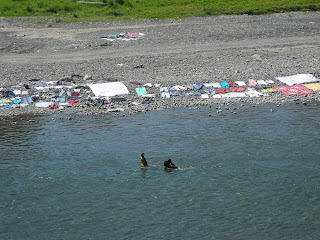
x: 169, y: 164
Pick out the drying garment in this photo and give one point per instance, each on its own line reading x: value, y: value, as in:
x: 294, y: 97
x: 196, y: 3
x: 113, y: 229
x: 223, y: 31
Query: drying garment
x: 141, y: 91
x: 298, y: 79
x: 252, y: 83
x: 294, y: 90
x: 313, y: 86
x: 225, y: 85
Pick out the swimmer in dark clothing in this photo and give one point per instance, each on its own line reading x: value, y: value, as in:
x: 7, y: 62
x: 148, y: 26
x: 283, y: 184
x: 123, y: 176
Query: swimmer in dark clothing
x: 143, y: 161
x: 168, y: 165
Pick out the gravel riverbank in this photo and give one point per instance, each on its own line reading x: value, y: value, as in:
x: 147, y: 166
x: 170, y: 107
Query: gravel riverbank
x: 171, y: 52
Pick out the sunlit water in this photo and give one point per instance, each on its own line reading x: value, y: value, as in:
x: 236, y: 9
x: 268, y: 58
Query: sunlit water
x: 250, y: 175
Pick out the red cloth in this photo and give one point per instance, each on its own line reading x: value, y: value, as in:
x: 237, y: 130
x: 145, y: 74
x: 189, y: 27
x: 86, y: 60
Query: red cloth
x: 232, y: 84
x: 75, y: 103
x: 232, y: 90
x: 53, y: 106
x: 241, y: 89
x: 136, y: 83
x: 294, y: 90
x: 75, y: 94
x: 221, y: 91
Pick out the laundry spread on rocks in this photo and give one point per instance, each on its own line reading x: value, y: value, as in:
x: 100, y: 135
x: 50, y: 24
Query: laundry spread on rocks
x: 68, y: 93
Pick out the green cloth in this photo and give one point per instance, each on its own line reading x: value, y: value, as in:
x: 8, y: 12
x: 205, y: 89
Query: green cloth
x: 269, y: 90
x: 141, y: 91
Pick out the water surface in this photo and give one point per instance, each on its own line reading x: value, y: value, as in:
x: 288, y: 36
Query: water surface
x: 250, y: 175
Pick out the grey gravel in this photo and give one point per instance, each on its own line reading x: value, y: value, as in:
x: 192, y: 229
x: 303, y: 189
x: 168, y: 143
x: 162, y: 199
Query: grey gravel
x: 172, y: 52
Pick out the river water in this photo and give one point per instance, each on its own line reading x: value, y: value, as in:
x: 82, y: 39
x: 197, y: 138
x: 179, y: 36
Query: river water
x: 250, y: 175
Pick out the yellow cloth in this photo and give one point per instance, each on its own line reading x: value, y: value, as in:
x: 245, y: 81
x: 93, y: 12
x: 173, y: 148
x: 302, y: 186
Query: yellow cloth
x: 269, y: 90
x: 313, y: 86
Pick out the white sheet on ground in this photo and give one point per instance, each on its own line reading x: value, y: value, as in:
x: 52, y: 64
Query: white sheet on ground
x: 262, y: 82
x: 164, y: 89
x: 109, y: 89
x: 253, y: 93
x: 165, y: 95
x: 216, y: 85
x: 43, y: 104
x: 236, y: 94
x: 298, y: 79
x: 208, y: 85
x: 217, y: 96
x: 241, y: 83
x: 269, y: 81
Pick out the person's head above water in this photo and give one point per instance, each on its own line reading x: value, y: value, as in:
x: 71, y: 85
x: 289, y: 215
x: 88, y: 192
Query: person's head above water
x: 142, y: 154
x: 169, y: 160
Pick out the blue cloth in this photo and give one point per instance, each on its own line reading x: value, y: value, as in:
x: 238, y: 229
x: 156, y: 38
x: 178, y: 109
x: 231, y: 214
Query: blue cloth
x: 196, y: 86
x: 60, y: 99
x: 27, y: 100
x: 9, y: 93
x: 17, y: 101
x: 65, y: 91
x: 225, y: 85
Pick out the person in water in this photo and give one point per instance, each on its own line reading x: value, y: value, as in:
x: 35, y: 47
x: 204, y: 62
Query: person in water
x: 169, y: 164
x: 144, y: 162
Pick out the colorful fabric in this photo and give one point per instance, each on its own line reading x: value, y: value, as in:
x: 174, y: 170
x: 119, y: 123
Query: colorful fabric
x: 53, y: 106
x: 136, y: 83
x: 17, y: 101
x: 252, y: 83
x: 313, y: 86
x: 242, y: 89
x: 141, y: 91
x: 294, y: 90
x: 74, y: 102
x: 225, y: 85
x: 269, y: 90
x: 232, y: 84
x: 196, y: 86
x: 221, y: 91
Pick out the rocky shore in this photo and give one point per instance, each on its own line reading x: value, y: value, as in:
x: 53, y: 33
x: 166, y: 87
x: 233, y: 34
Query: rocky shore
x: 169, y: 53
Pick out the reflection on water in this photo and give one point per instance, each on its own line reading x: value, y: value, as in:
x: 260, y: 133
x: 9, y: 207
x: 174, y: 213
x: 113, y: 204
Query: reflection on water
x: 250, y: 175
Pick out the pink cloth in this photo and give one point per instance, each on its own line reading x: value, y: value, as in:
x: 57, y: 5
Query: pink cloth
x: 294, y: 90
x: 252, y: 83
